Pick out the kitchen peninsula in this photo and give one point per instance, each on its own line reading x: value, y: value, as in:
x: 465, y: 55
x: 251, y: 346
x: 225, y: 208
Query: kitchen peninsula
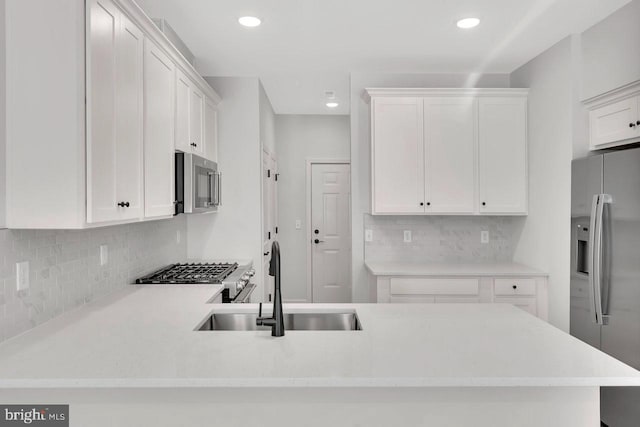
x: 136, y: 358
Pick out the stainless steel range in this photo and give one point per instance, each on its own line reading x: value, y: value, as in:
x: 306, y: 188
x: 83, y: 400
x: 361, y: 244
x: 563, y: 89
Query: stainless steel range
x: 236, y: 278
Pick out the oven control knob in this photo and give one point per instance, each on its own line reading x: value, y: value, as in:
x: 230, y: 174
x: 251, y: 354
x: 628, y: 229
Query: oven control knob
x: 251, y: 272
x: 240, y: 284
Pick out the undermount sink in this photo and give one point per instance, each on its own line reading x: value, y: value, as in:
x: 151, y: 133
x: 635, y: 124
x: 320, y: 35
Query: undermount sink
x: 343, y: 321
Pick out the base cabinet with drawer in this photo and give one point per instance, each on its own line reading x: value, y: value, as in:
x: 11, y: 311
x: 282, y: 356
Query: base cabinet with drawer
x: 527, y: 293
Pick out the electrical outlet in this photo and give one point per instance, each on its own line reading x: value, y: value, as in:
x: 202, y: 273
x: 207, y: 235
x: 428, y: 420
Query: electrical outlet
x: 298, y: 224
x: 104, y: 254
x: 178, y: 236
x: 368, y: 235
x: 407, y: 236
x: 22, y: 275
x: 484, y: 236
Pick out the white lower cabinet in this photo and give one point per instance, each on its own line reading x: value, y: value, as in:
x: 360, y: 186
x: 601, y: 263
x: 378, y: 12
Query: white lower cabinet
x: 527, y: 293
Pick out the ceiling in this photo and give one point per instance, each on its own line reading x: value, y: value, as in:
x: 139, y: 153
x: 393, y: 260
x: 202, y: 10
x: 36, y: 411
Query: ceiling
x: 305, y: 47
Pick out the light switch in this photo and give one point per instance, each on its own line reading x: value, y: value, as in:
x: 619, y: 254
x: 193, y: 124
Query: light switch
x: 368, y: 235
x: 484, y: 236
x: 104, y: 254
x: 407, y: 236
x: 298, y: 224
x: 22, y: 275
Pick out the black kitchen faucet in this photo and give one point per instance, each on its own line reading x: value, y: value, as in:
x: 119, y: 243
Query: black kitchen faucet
x: 276, y: 321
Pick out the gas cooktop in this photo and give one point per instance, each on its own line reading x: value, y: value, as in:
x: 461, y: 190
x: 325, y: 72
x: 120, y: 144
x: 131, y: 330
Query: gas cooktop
x: 195, y: 273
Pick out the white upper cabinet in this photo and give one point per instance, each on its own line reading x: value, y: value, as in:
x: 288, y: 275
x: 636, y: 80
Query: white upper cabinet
x: 449, y: 151
x: 210, y: 130
x: 503, y: 155
x: 100, y: 141
x: 159, y: 87
x: 398, y: 155
x: 450, y: 154
x: 196, y: 120
x: 614, y: 118
x: 183, y: 125
x: 114, y: 140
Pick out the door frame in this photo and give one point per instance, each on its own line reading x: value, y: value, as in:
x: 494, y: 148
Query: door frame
x: 310, y: 162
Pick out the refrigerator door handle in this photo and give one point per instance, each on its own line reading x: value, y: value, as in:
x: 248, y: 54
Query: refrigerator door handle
x: 595, y: 273
x: 591, y: 257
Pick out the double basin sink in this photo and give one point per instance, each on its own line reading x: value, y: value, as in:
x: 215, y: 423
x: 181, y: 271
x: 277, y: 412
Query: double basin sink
x: 302, y: 321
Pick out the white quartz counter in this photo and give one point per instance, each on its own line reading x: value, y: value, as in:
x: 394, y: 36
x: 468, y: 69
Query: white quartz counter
x: 452, y: 269
x: 144, y: 336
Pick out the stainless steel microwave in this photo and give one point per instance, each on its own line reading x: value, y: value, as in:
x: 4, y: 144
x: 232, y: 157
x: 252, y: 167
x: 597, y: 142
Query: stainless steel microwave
x: 198, y: 184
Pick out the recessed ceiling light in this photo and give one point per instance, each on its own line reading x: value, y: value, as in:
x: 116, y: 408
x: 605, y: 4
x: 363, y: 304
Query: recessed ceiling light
x: 249, y: 21
x: 332, y: 104
x: 468, y: 23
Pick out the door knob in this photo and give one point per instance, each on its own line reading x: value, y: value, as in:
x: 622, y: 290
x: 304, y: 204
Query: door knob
x: 318, y: 241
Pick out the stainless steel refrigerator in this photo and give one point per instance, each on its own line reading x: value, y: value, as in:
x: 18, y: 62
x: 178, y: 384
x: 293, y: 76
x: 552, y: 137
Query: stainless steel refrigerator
x: 605, y: 268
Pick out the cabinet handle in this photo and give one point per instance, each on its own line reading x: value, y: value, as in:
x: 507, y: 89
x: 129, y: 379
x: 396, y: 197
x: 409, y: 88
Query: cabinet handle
x: 632, y: 125
x: 266, y: 254
x: 123, y: 204
x: 638, y: 123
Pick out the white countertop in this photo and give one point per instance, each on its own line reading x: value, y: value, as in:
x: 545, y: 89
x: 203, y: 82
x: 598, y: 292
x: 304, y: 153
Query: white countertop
x: 505, y: 269
x: 144, y: 336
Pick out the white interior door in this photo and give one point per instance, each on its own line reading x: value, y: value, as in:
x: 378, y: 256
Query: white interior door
x: 330, y: 233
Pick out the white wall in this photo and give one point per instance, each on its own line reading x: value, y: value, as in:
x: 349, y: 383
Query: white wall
x: 302, y: 137
x: 611, y: 52
x: 544, y: 242
x: 234, y: 232
x: 3, y: 176
x: 361, y: 155
x: 267, y: 121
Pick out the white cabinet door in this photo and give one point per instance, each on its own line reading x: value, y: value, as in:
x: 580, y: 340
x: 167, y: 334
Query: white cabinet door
x: 159, y: 87
x: 196, y: 113
x: 102, y: 168
x: 129, y: 120
x: 450, y: 154
x: 183, y: 92
x: 114, y: 115
x: 614, y: 122
x: 210, y: 130
x: 502, y: 130
x: 398, y: 155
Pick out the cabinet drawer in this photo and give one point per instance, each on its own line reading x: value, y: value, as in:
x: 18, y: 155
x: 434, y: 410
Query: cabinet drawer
x: 509, y: 287
x: 433, y: 286
x: 527, y: 304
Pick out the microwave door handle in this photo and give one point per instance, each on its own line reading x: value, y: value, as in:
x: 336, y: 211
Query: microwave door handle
x: 219, y: 201
x: 212, y: 186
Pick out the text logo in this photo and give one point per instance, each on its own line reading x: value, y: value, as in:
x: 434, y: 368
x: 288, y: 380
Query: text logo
x: 34, y: 415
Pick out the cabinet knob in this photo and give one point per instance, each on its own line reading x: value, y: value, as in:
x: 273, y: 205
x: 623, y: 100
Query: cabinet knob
x: 484, y: 203
x: 316, y: 231
x: 638, y: 123
x: 428, y: 203
x: 515, y: 286
x: 421, y: 204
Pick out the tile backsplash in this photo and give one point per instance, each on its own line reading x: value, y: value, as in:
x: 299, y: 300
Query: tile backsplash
x: 65, y: 271
x: 441, y: 238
